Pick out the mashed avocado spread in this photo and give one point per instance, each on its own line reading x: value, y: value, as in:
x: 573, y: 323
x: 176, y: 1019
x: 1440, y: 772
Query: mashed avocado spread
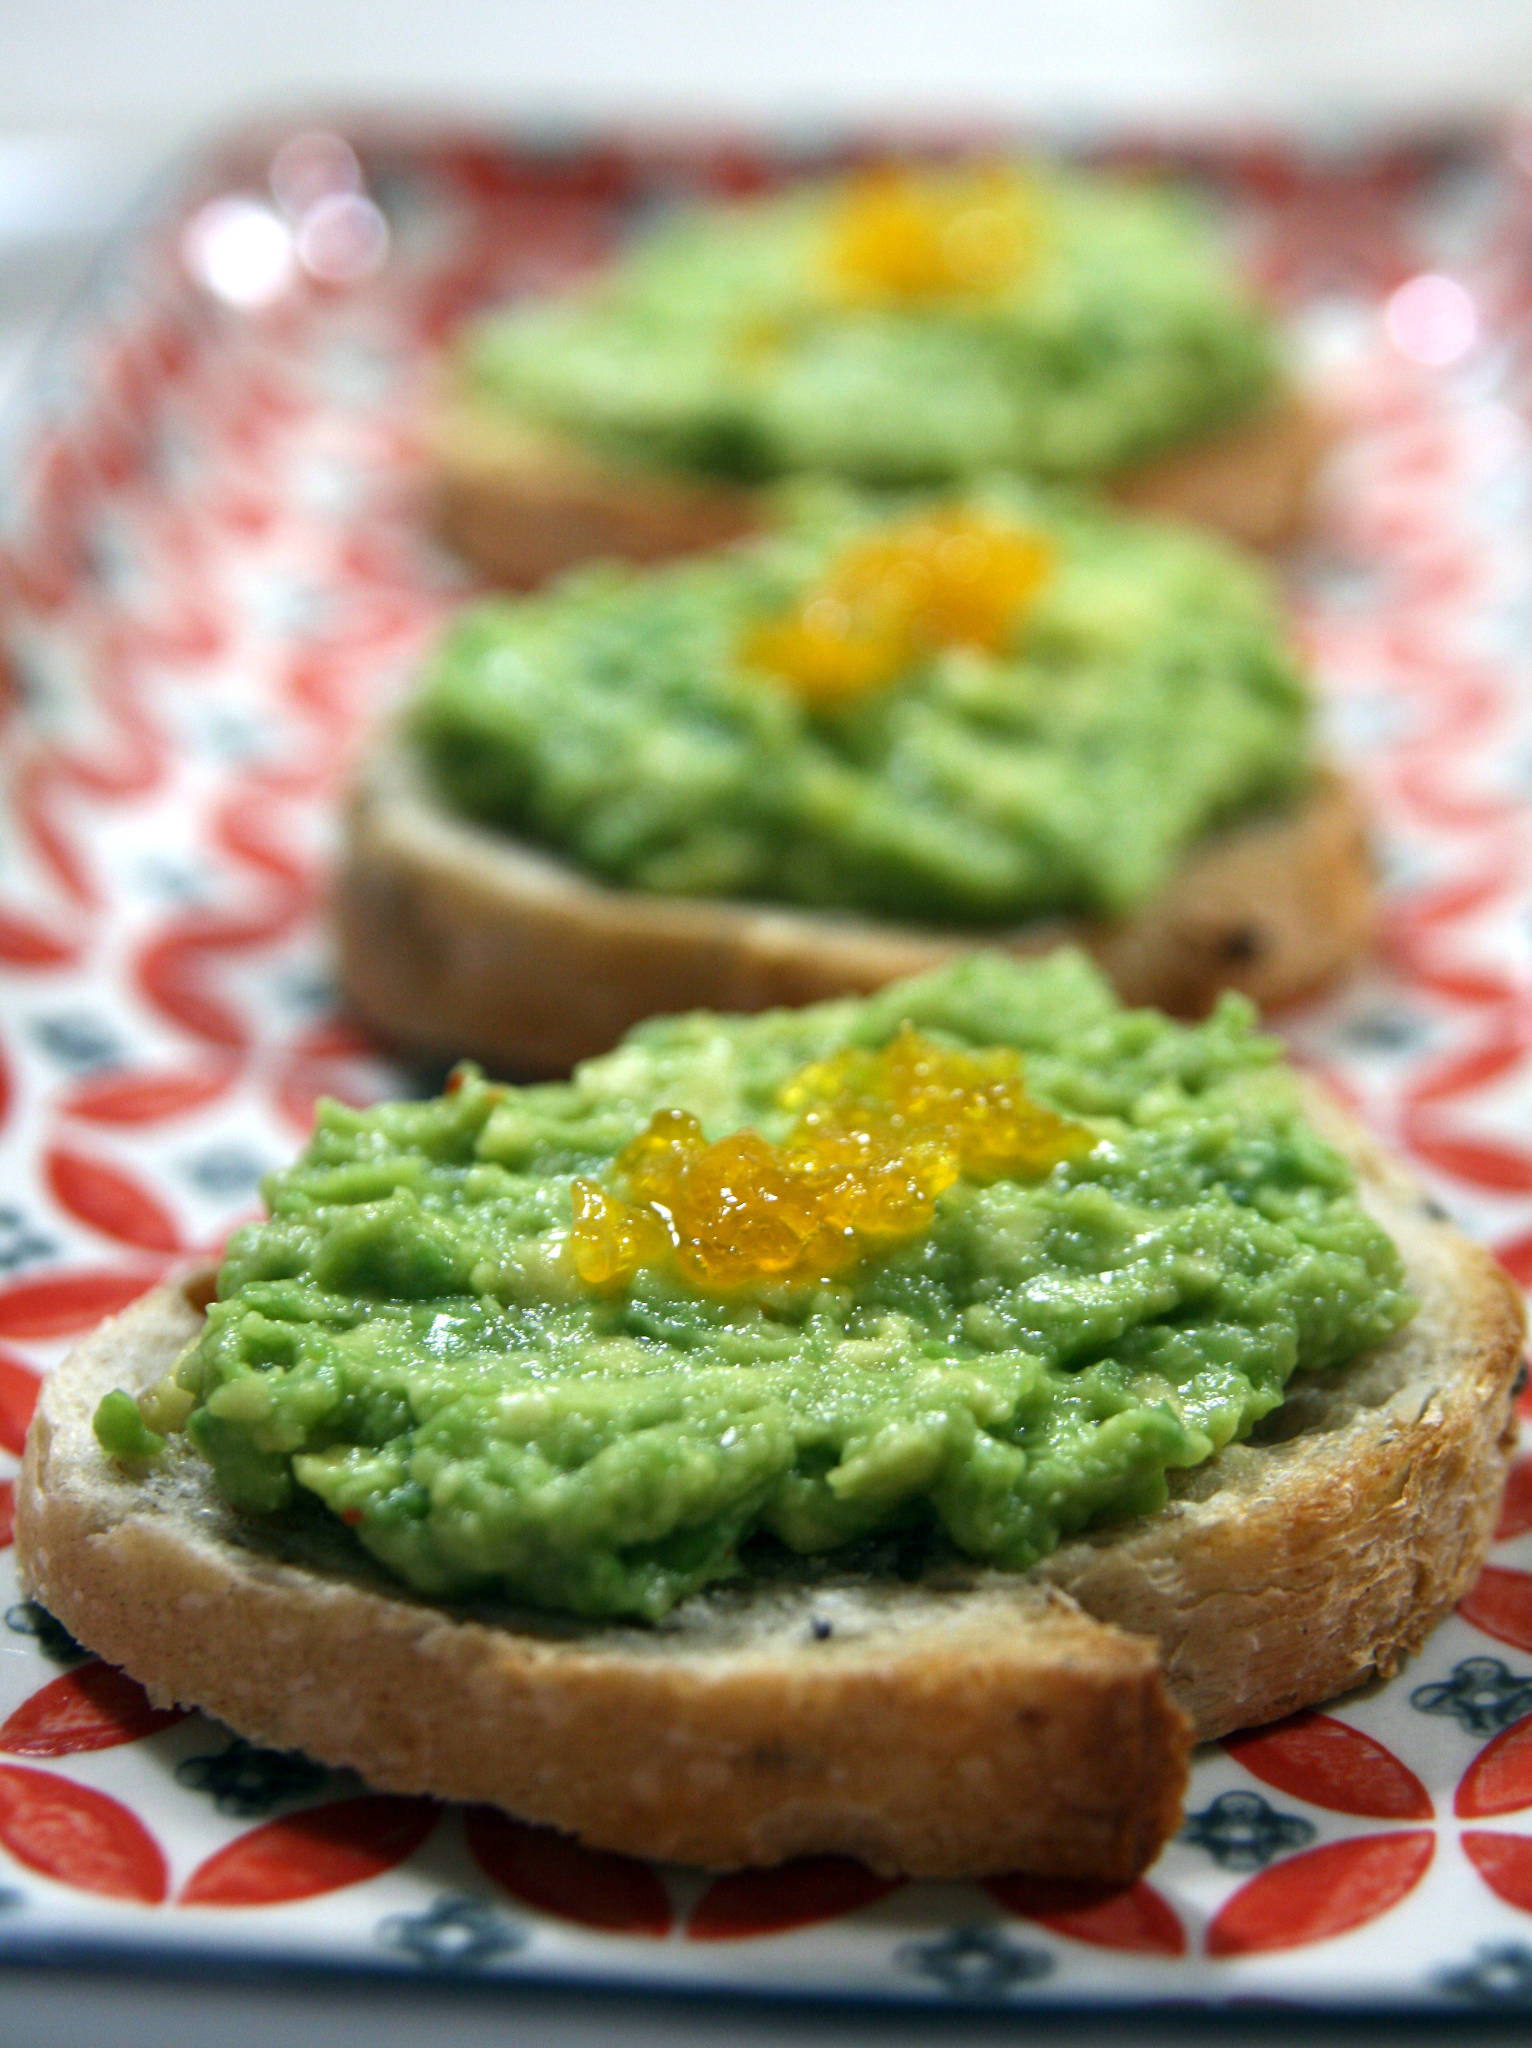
x: 1082, y: 697
x: 410, y: 1341
x: 899, y: 330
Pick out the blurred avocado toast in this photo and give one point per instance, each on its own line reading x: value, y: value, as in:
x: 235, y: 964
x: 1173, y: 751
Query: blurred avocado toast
x: 896, y: 1427
x: 877, y: 735
x: 896, y: 328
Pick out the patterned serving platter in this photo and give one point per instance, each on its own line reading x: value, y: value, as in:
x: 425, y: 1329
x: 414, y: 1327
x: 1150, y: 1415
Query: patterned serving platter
x: 213, y: 574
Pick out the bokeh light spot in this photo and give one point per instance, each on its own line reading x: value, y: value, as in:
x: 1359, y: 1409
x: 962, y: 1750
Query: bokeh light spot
x: 312, y: 166
x: 239, y: 250
x: 342, y: 239
x: 1431, y: 319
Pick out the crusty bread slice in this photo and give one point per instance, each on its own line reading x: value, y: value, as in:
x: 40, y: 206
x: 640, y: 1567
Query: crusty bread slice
x: 1255, y: 482
x: 1323, y: 1551
x: 922, y: 1728
x: 455, y: 938
x: 969, y: 1722
x: 523, y: 503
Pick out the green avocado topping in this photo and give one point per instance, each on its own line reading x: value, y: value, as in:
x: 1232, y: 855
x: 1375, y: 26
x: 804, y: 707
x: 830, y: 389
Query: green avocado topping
x: 720, y: 344
x: 122, y: 1431
x: 1145, y: 693
x: 408, y: 1342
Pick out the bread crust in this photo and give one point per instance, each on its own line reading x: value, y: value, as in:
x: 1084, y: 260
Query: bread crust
x: 972, y: 1722
x: 935, y: 1731
x: 1323, y: 1552
x: 458, y: 939
x: 523, y: 503
x: 1255, y: 482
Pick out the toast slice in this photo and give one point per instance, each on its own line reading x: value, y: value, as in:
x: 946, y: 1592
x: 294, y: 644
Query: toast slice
x: 522, y: 503
x: 968, y: 1722
x: 459, y: 939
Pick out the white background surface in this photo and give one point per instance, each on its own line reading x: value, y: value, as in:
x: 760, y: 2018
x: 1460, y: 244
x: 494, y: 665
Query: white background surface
x: 176, y: 61
x: 94, y: 93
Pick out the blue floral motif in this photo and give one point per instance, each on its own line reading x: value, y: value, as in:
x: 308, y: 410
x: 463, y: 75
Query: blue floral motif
x: 975, y: 1962
x: 1483, y: 1695
x: 172, y: 881
x: 20, y: 1244
x: 1243, y: 1831
x: 244, y: 1781
x: 306, y: 990
x: 79, y: 1040
x: 1499, y: 1975
x: 225, y: 1169
x: 456, y: 1932
x: 1390, y: 1030
x: 26, y: 1618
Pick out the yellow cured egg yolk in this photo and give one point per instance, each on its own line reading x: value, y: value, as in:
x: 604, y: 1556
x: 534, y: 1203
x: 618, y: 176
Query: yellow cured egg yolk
x: 944, y: 578
x: 879, y: 1136
x: 898, y: 238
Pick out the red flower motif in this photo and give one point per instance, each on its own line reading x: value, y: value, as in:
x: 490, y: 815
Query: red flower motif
x: 110, y: 1201
x: 556, y: 1874
x: 1499, y: 1780
x: 36, y: 792
x: 171, y: 975
x: 1501, y: 1054
x: 1515, y: 1254
x: 78, y: 1836
x: 65, y: 1303
x: 19, y: 1389
x: 147, y: 1098
x: 26, y: 943
x: 302, y: 1855
x: 93, y: 1707
x: 795, y: 1894
x: 1516, y: 1507
x: 1315, y: 1757
x: 1505, y: 1864
x: 1501, y: 1169
x: 1500, y: 1603
x: 1321, y: 1893
x: 1137, y: 1918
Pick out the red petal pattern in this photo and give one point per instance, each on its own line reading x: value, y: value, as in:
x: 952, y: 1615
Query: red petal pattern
x: 110, y: 1201
x: 19, y: 1389
x: 1135, y: 1918
x: 64, y: 1303
x: 1499, y: 1168
x: 1499, y: 1780
x: 1328, y: 1763
x: 78, y: 1836
x: 1322, y: 1893
x: 1515, y: 1254
x: 25, y: 943
x: 554, y: 1873
x: 1500, y: 1603
x: 303, y: 1855
x: 1516, y: 1507
x: 93, y: 1707
x: 1505, y: 1864
x: 795, y: 1894
x: 147, y: 1098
